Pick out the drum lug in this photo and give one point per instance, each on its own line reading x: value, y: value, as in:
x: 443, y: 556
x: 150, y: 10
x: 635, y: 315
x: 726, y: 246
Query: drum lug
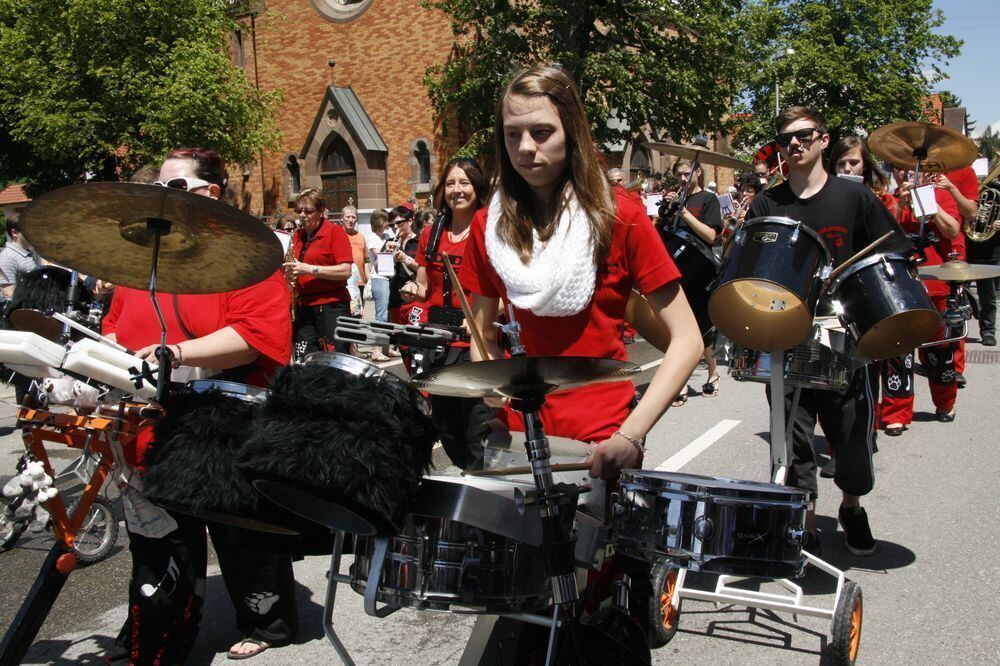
x: 794, y: 535
x: 887, y: 268
x: 704, y: 528
x: 794, y: 238
x: 741, y: 237
x: 824, y: 272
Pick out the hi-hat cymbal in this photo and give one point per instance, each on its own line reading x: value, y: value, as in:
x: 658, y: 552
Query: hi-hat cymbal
x: 959, y: 271
x: 522, y: 377
x: 703, y: 154
x: 940, y: 149
x: 100, y: 229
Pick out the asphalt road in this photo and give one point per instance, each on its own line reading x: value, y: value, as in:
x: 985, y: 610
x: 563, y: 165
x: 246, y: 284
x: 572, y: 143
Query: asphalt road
x: 929, y: 590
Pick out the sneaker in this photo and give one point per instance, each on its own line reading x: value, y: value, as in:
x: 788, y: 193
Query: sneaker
x: 989, y: 340
x: 811, y: 543
x: 829, y: 470
x: 857, y: 533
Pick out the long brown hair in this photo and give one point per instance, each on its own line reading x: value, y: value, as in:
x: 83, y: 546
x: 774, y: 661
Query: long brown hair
x: 584, y: 176
x: 874, y: 178
x: 474, y: 172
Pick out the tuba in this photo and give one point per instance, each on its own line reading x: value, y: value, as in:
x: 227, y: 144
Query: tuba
x: 981, y: 228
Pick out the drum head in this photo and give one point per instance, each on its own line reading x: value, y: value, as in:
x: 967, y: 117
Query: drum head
x: 899, y: 334
x: 37, y: 322
x: 760, y: 314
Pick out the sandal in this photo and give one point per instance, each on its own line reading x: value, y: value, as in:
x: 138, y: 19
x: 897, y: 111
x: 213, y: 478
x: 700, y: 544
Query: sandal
x: 710, y: 389
x: 259, y: 646
x: 680, y: 400
x: 947, y: 417
x: 379, y: 357
x: 894, y: 429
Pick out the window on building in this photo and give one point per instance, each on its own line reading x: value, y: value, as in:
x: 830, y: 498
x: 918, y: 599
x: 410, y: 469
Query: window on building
x: 639, y: 162
x: 423, y: 157
x: 338, y: 174
x: 293, y: 176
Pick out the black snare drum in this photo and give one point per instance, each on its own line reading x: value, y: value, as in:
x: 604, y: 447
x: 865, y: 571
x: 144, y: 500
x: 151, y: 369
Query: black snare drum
x: 699, y: 268
x: 769, y: 284
x: 810, y: 365
x: 709, y: 524
x: 885, y: 306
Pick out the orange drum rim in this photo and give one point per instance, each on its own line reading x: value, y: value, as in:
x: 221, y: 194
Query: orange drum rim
x: 855, y: 642
x: 667, y: 610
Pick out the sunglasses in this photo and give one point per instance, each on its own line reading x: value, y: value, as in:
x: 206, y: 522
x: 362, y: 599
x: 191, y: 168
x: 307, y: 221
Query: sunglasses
x: 182, y: 183
x: 305, y: 211
x: 804, y: 136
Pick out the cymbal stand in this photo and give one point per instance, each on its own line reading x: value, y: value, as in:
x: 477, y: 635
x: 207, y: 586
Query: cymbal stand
x: 557, y: 543
x: 157, y: 228
x: 920, y: 154
x: 781, y: 433
x: 72, y: 295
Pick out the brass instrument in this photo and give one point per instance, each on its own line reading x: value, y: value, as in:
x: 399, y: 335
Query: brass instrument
x: 981, y: 228
x: 637, y: 184
x: 291, y: 279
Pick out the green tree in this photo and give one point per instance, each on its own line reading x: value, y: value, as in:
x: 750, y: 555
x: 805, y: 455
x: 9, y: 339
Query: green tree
x: 989, y: 145
x: 670, y: 66
x: 863, y: 63
x: 103, y: 86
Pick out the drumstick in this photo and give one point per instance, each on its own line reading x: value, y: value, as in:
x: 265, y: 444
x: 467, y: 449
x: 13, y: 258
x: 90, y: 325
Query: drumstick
x: 868, y: 248
x: 526, y: 469
x: 466, y: 310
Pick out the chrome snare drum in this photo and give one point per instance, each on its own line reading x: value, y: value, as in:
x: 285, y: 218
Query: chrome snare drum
x: 710, y: 524
x: 464, y: 549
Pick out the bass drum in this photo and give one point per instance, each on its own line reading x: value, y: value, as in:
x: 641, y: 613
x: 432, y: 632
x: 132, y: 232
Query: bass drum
x: 709, y: 524
x: 885, y: 306
x: 699, y: 268
x: 769, y: 284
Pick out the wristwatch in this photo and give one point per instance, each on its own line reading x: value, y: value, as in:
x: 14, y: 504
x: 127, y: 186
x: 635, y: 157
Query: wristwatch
x: 315, y: 270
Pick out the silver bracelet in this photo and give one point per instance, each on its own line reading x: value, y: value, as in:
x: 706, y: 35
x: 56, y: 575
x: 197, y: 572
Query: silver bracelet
x: 639, y: 443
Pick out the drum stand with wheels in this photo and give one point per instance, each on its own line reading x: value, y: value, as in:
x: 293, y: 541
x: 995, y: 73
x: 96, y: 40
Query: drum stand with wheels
x: 846, y: 615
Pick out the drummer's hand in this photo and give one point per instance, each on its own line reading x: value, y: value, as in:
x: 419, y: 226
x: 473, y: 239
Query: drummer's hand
x: 942, y: 181
x: 612, y: 456
x: 148, y: 354
x: 101, y: 287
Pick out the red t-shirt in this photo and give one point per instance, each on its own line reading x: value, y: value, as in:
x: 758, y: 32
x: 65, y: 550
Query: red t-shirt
x: 967, y: 183
x: 436, y: 270
x: 328, y: 247
x: 937, y: 253
x: 637, y: 258
x: 258, y: 313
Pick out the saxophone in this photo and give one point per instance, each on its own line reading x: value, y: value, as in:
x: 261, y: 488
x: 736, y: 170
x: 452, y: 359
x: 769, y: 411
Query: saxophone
x: 292, y: 280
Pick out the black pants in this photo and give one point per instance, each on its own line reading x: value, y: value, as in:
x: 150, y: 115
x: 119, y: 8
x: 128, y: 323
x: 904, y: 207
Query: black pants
x: 167, y: 591
x: 848, y: 421
x: 987, y: 292
x: 315, y: 326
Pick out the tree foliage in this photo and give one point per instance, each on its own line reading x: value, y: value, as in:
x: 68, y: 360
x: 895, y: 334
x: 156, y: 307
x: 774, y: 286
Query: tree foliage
x: 106, y: 85
x: 863, y: 63
x: 989, y: 145
x: 669, y: 65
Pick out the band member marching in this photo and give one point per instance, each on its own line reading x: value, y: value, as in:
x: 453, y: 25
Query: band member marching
x: 848, y: 216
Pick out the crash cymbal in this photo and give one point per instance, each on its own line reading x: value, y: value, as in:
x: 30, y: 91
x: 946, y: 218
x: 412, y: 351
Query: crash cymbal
x: 940, y: 149
x: 959, y: 271
x: 100, y: 229
x: 703, y: 154
x: 523, y: 377
x: 639, y: 314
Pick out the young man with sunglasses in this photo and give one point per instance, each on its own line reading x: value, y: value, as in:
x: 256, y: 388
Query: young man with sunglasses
x: 848, y: 216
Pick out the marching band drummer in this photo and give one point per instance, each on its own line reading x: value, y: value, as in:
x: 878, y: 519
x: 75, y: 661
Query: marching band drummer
x: 321, y: 268
x: 247, y: 331
x: 848, y: 216
x: 558, y: 246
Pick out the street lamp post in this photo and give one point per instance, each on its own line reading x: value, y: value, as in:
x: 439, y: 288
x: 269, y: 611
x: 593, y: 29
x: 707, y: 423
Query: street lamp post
x: 777, y: 93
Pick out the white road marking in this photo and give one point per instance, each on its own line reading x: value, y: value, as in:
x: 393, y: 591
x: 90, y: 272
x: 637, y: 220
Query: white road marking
x: 698, y: 446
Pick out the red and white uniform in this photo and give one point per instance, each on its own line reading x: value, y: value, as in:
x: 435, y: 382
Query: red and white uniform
x: 636, y: 259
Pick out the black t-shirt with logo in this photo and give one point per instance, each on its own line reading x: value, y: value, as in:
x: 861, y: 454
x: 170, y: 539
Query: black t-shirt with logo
x: 705, y: 207
x: 847, y: 216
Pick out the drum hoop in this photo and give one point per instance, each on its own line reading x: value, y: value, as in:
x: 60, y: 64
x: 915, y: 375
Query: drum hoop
x: 352, y: 365
x: 702, y: 485
x: 862, y: 264
x: 700, y: 246
x: 235, y: 390
x: 789, y: 222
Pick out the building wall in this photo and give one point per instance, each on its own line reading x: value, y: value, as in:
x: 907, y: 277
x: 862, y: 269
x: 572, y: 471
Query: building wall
x: 381, y: 54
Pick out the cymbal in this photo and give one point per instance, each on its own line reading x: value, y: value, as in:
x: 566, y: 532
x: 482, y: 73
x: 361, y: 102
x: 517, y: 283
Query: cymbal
x: 940, y: 149
x: 703, y: 154
x: 639, y: 314
x: 522, y: 377
x: 959, y: 271
x: 100, y: 229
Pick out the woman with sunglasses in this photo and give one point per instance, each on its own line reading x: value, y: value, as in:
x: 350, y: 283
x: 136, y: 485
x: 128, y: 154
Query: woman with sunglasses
x: 321, y: 268
x: 402, y: 285
x: 247, y: 333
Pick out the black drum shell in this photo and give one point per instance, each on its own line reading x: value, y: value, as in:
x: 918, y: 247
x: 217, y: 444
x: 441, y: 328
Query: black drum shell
x: 782, y: 259
x: 888, y: 310
x: 709, y: 524
x: 699, y: 267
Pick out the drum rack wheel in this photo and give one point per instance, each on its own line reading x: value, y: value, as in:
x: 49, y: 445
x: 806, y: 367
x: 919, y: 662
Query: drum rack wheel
x: 847, y: 625
x: 664, y: 609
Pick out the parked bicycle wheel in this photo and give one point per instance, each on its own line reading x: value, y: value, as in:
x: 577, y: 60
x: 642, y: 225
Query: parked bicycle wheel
x: 98, y: 532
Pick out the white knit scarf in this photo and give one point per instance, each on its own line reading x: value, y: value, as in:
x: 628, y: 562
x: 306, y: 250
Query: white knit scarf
x: 558, y: 280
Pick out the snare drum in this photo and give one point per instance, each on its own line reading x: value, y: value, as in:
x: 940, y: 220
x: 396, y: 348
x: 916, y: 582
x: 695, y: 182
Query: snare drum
x: 699, y: 268
x: 885, y: 306
x: 810, y: 365
x: 769, y: 284
x: 463, y: 550
x: 709, y: 524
